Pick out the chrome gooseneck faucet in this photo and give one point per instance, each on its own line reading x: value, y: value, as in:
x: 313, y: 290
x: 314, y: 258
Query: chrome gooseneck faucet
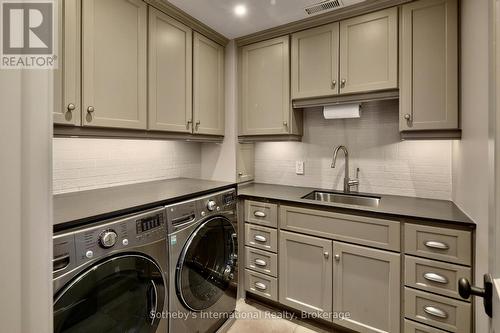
x: 348, y: 183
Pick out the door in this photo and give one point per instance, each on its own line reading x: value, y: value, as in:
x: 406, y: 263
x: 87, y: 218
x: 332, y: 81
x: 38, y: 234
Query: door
x: 207, y: 264
x: 114, y: 63
x: 170, y: 74
x: 265, y: 87
x: 429, y: 65
x: 208, y: 86
x: 116, y: 295
x: 305, y: 272
x: 245, y: 162
x: 315, y: 62
x: 366, y: 282
x: 67, y: 107
x: 369, y: 52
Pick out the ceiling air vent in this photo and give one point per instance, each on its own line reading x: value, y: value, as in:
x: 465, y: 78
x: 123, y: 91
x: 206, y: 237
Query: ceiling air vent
x: 323, y: 6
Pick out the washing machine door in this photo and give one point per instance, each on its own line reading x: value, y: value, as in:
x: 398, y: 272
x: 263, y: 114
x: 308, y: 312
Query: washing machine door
x: 207, y: 264
x: 118, y: 294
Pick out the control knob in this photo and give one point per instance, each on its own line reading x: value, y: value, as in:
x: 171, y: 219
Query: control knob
x: 107, y: 239
x: 211, y: 205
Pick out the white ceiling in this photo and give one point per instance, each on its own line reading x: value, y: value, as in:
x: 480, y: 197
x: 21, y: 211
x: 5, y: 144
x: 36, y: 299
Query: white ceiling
x: 261, y: 14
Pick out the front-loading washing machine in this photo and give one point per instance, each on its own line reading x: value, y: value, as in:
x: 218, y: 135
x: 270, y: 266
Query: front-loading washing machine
x: 202, y: 240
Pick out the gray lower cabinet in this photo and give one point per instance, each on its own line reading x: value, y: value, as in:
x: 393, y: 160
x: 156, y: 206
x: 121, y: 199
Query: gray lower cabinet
x: 366, y: 283
x: 305, y: 270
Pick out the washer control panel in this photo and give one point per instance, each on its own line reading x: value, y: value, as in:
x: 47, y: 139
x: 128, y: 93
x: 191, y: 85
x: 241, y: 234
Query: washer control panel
x: 97, y: 240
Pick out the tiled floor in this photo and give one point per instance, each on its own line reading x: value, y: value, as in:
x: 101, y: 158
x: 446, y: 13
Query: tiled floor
x: 256, y: 318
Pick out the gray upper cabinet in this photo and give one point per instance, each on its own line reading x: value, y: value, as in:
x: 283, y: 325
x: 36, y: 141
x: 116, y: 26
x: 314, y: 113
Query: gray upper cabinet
x: 367, y: 284
x: 114, y: 63
x: 305, y: 271
x: 429, y: 65
x: 369, y: 52
x: 315, y: 62
x: 265, y: 107
x: 170, y: 74
x: 208, y: 86
x: 67, y: 106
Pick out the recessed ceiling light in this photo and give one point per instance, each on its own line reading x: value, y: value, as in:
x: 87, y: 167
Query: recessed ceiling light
x: 240, y: 10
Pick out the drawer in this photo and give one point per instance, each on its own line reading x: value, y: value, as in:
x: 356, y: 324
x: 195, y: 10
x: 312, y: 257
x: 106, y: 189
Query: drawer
x: 413, y: 327
x: 261, y: 285
x: 261, y: 237
x: 438, y: 243
x: 434, y: 276
x: 262, y: 213
x: 261, y: 261
x: 379, y: 233
x: 438, y: 311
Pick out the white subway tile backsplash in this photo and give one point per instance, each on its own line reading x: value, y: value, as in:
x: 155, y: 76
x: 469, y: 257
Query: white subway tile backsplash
x: 82, y: 164
x: 387, y: 164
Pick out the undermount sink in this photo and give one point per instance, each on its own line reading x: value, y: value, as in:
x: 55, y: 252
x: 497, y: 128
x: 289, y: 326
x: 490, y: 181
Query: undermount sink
x: 348, y: 199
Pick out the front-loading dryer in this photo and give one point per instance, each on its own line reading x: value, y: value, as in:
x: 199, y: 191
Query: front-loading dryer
x: 203, y: 247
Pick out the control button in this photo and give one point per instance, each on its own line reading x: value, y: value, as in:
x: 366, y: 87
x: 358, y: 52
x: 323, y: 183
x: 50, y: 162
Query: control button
x: 218, y: 208
x: 211, y: 205
x: 125, y: 242
x: 203, y: 213
x: 89, y: 254
x: 107, y: 239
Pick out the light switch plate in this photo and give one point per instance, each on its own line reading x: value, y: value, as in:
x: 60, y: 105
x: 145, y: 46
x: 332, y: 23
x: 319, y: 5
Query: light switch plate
x: 299, y: 167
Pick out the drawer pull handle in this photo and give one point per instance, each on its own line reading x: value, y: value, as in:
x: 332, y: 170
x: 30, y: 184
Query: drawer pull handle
x: 437, y: 245
x: 258, y: 213
x: 436, y: 312
x: 435, y: 278
x: 260, y: 262
x: 260, y: 238
x: 260, y: 286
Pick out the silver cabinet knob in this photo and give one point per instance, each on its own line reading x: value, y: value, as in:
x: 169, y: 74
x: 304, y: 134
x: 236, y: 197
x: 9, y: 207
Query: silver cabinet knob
x: 407, y: 117
x: 240, y: 174
x: 342, y: 83
x: 188, y: 123
x: 71, y: 107
x: 90, y: 109
x: 285, y: 123
x: 326, y: 255
x: 334, y: 84
x: 198, y: 123
x: 337, y: 257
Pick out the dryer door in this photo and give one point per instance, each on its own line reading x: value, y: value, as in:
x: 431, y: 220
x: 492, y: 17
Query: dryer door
x: 118, y: 294
x: 207, y: 264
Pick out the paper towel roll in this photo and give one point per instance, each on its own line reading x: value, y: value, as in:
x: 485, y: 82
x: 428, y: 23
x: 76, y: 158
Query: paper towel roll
x: 341, y: 111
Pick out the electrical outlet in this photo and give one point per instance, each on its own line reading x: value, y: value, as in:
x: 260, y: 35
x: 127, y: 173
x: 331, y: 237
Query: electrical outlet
x: 299, y: 167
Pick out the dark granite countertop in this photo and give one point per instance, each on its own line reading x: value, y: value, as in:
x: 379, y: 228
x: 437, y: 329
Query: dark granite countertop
x: 397, y: 206
x: 86, y: 206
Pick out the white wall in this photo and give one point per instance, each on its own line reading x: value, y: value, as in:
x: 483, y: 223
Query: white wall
x: 219, y: 160
x: 82, y: 164
x: 26, y: 201
x: 470, y: 155
x: 387, y: 165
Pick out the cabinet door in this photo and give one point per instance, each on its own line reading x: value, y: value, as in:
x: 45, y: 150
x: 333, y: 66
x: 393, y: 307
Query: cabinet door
x: 208, y: 86
x: 369, y: 52
x: 67, y: 107
x: 245, y: 162
x: 170, y: 74
x: 315, y: 62
x: 305, y: 272
x: 367, y: 284
x: 265, y: 87
x: 429, y: 65
x: 114, y: 63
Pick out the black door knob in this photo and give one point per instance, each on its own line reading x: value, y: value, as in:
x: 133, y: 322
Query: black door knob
x: 466, y: 290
